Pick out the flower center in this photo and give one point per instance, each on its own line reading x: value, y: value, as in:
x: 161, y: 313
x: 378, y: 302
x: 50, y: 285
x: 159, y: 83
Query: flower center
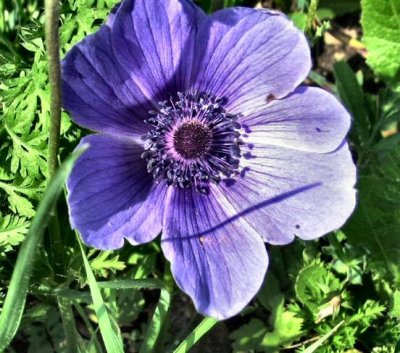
x: 192, y: 141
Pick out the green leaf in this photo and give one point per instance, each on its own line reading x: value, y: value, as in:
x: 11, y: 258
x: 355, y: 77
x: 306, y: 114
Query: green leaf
x: 110, y: 333
x: 256, y: 335
x: 287, y: 328
x: 375, y: 224
x: 313, y: 347
x: 157, y: 322
x: 85, y: 19
x: 206, y: 325
x: 12, y: 231
x: 68, y: 321
x: 230, y: 3
x: 106, y: 261
x: 389, y: 108
x: 299, y: 19
x: 329, y: 9
x: 395, y: 309
x: 281, y: 329
x: 353, y: 98
x: 380, y: 21
x: 20, y: 193
x: 160, y: 314
x: 249, y: 336
x: 315, y: 285
x: 14, y: 304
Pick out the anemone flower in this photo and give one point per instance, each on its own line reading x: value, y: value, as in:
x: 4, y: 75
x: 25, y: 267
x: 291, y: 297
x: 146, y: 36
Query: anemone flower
x: 203, y: 136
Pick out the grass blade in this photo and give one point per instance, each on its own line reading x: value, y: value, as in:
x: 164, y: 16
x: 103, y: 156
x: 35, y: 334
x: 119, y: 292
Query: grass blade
x: 14, y: 303
x: 312, y: 348
x: 111, y: 336
x: 68, y: 321
x: 353, y: 98
x: 94, y: 342
x: 206, y: 325
x: 157, y: 322
x: 133, y: 284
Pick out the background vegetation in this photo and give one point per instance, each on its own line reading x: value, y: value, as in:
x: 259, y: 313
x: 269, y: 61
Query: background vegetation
x: 338, y: 294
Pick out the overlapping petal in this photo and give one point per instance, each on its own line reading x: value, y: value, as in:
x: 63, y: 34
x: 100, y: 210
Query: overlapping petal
x: 215, y: 256
x: 154, y: 41
x: 98, y: 92
x: 310, y: 119
x: 111, y: 196
x: 284, y: 192
x: 244, y: 54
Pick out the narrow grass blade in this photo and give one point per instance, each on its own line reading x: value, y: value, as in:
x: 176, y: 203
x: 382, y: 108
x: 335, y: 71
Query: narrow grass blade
x: 14, y: 303
x: 157, y: 322
x: 206, y: 325
x: 397, y: 348
x: 312, y: 348
x: 110, y: 334
x: 353, y: 98
x: 68, y: 321
x: 133, y: 284
x: 66, y: 293
x: 155, y: 328
x: 94, y: 342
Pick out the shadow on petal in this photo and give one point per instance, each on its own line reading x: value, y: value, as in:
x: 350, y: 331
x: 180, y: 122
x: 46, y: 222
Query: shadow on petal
x: 247, y: 211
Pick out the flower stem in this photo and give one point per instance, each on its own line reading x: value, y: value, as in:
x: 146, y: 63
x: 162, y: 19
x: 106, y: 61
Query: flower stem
x: 312, y: 10
x: 53, y: 58
x: 53, y: 52
x: 52, y: 9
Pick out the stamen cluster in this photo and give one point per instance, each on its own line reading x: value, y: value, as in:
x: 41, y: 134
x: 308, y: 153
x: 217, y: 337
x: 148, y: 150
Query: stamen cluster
x: 193, y: 141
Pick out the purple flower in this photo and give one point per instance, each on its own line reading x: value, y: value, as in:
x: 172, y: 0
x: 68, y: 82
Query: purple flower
x: 204, y: 137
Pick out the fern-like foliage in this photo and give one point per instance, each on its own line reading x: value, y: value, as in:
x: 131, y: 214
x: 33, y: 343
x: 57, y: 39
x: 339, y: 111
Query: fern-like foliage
x: 24, y: 108
x: 12, y: 231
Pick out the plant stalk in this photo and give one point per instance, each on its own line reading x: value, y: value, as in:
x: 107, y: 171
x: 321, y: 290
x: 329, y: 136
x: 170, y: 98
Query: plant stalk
x: 312, y: 11
x: 52, y: 8
x: 52, y: 11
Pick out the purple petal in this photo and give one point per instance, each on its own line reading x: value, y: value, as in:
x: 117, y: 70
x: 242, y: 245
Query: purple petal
x: 216, y: 258
x: 98, y: 92
x: 283, y: 192
x: 111, y: 196
x: 244, y: 54
x: 154, y: 41
x: 309, y: 119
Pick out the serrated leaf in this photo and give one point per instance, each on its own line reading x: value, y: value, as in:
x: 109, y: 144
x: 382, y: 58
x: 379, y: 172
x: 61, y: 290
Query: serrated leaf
x: 106, y: 260
x: 14, y: 304
x: 315, y: 285
x: 19, y: 193
x: 12, y: 231
x: 85, y: 20
x: 287, y: 328
x: 380, y: 20
x: 281, y: 329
